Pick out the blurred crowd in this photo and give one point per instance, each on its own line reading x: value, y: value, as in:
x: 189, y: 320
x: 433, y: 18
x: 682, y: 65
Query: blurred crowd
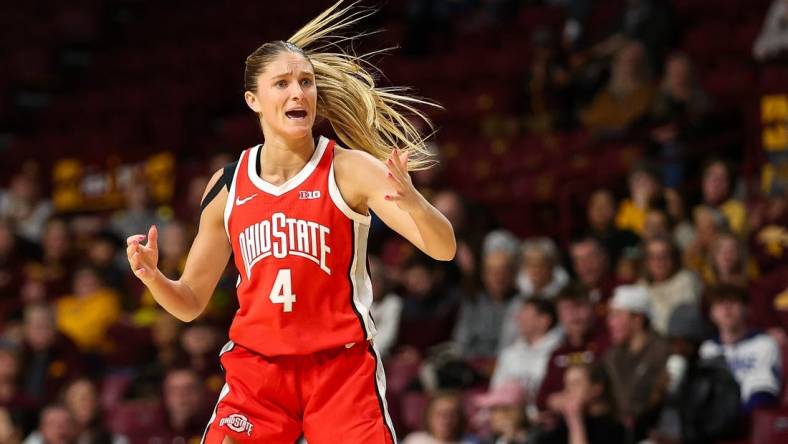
x: 664, y: 318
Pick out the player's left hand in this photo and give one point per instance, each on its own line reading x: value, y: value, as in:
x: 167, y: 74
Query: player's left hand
x: 405, y: 195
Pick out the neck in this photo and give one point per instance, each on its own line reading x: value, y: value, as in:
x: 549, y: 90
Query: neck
x: 534, y: 337
x: 283, y: 158
x: 733, y: 334
x: 638, y: 341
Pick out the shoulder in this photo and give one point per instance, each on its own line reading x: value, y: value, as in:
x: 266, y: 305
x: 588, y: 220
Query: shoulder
x: 762, y: 343
x: 352, y: 163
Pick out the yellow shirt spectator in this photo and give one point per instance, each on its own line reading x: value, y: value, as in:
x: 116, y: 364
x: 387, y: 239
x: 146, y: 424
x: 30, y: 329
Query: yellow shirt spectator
x: 86, y: 315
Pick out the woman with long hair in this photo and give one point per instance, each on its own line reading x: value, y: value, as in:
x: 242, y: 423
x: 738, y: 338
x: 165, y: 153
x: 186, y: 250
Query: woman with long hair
x: 295, y: 213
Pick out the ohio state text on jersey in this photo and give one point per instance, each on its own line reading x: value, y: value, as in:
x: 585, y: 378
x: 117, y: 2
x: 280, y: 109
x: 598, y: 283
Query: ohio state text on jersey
x: 301, y: 254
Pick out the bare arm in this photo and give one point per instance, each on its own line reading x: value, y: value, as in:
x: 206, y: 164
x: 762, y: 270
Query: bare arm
x: 387, y: 190
x: 188, y: 296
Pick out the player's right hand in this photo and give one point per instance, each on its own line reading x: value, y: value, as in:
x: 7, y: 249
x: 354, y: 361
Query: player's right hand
x: 143, y: 259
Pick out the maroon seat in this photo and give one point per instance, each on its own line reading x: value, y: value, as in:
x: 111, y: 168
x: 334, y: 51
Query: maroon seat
x: 770, y: 426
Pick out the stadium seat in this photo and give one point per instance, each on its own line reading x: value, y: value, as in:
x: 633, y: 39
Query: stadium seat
x: 770, y: 426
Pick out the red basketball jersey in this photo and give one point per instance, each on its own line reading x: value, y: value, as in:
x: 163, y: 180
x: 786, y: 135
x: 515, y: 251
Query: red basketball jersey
x: 301, y: 253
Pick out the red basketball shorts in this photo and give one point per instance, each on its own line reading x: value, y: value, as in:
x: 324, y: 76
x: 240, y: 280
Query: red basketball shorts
x: 330, y: 397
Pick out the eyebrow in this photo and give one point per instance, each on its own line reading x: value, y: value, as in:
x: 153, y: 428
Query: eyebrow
x: 289, y: 73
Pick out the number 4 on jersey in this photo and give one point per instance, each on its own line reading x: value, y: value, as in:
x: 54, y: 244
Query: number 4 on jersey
x: 282, y: 291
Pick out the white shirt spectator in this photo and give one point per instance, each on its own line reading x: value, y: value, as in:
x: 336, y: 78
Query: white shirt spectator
x: 386, y: 313
x: 754, y: 361
x: 682, y: 288
x: 526, y: 363
x: 773, y: 37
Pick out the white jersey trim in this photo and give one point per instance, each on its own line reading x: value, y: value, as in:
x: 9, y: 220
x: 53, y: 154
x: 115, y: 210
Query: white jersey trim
x: 359, y: 278
x: 289, y: 184
x: 225, y: 391
x: 228, y: 206
x: 339, y: 201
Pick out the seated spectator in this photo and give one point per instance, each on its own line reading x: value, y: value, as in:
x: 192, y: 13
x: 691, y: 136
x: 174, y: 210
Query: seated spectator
x: 11, y: 273
x: 677, y: 115
x: 644, y: 187
x: 683, y: 231
x: 668, y: 284
x: 429, y: 309
x: 709, y: 223
x: 102, y: 254
x: 48, y: 358
x: 728, y: 263
x: 386, y: 308
x: 57, y: 261
x: 24, y: 206
x: 769, y: 235
x: 600, y: 213
x: 185, y: 410
x: 540, y: 273
x: 525, y: 361
x: 200, y: 342
x: 21, y: 409
x: 702, y: 401
x: 753, y: 358
x: 504, y: 407
x: 717, y: 187
x: 57, y: 426
x: 773, y: 39
x: 587, y: 405
x: 138, y: 216
x: 585, y: 342
x: 444, y: 422
x: 650, y: 22
x: 87, y: 313
x: 627, y: 97
x: 591, y: 264
x: 80, y: 397
x: 658, y: 223
x: 636, y: 361
x: 478, y: 328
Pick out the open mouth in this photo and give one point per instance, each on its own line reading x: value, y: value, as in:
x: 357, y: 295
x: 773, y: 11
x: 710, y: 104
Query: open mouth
x: 296, y: 114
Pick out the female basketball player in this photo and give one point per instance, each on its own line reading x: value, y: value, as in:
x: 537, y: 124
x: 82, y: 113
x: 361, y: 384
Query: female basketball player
x: 294, y: 212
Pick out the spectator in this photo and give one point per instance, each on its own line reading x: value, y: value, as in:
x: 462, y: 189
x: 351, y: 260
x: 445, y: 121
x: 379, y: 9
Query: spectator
x: 668, y: 284
x: 753, y: 358
x: 709, y: 224
x: 479, y: 325
x: 48, y: 358
x: 11, y: 273
x: 21, y: 408
x: 525, y: 361
x: 592, y: 266
x: 102, y: 256
x: 57, y: 426
x: 650, y: 22
x: 57, y: 261
x: 657, y: 223
x: 702, y: 402
x: 200, y: 340
x: 462, y: 269
x: 505, y: 407
x: 81, y: 399
x: 540, y: 273
x: 548, y: 97
x: 717, y: 187
x: 87, y: 313
x: 23, y: 205
x: 636, y: 361
x: 185, y: 410
x: 588, y: 408
x: 386, y: 308
x: 683, y: 231
x: 627, y: 97
x: 444, y: 422
x: 644, y: 186
x: 585, y: 342
x: 429, y: 309
x: 728, y: 262
x: 773, y: 39
x: 769, y: 236
x: 138, y: 215
x: 601, y: 214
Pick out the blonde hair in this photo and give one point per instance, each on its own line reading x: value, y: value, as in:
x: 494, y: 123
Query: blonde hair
x: 364, y: 116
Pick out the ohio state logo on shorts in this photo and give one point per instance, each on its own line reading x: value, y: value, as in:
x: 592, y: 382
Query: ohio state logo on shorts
x: 237, y: 423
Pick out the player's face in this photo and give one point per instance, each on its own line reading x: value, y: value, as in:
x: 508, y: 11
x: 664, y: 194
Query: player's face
x: 286, y: 96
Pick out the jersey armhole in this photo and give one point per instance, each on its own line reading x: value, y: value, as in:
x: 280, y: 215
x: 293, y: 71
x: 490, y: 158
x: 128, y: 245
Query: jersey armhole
x: 339, y: 201
x: 230, y: 171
